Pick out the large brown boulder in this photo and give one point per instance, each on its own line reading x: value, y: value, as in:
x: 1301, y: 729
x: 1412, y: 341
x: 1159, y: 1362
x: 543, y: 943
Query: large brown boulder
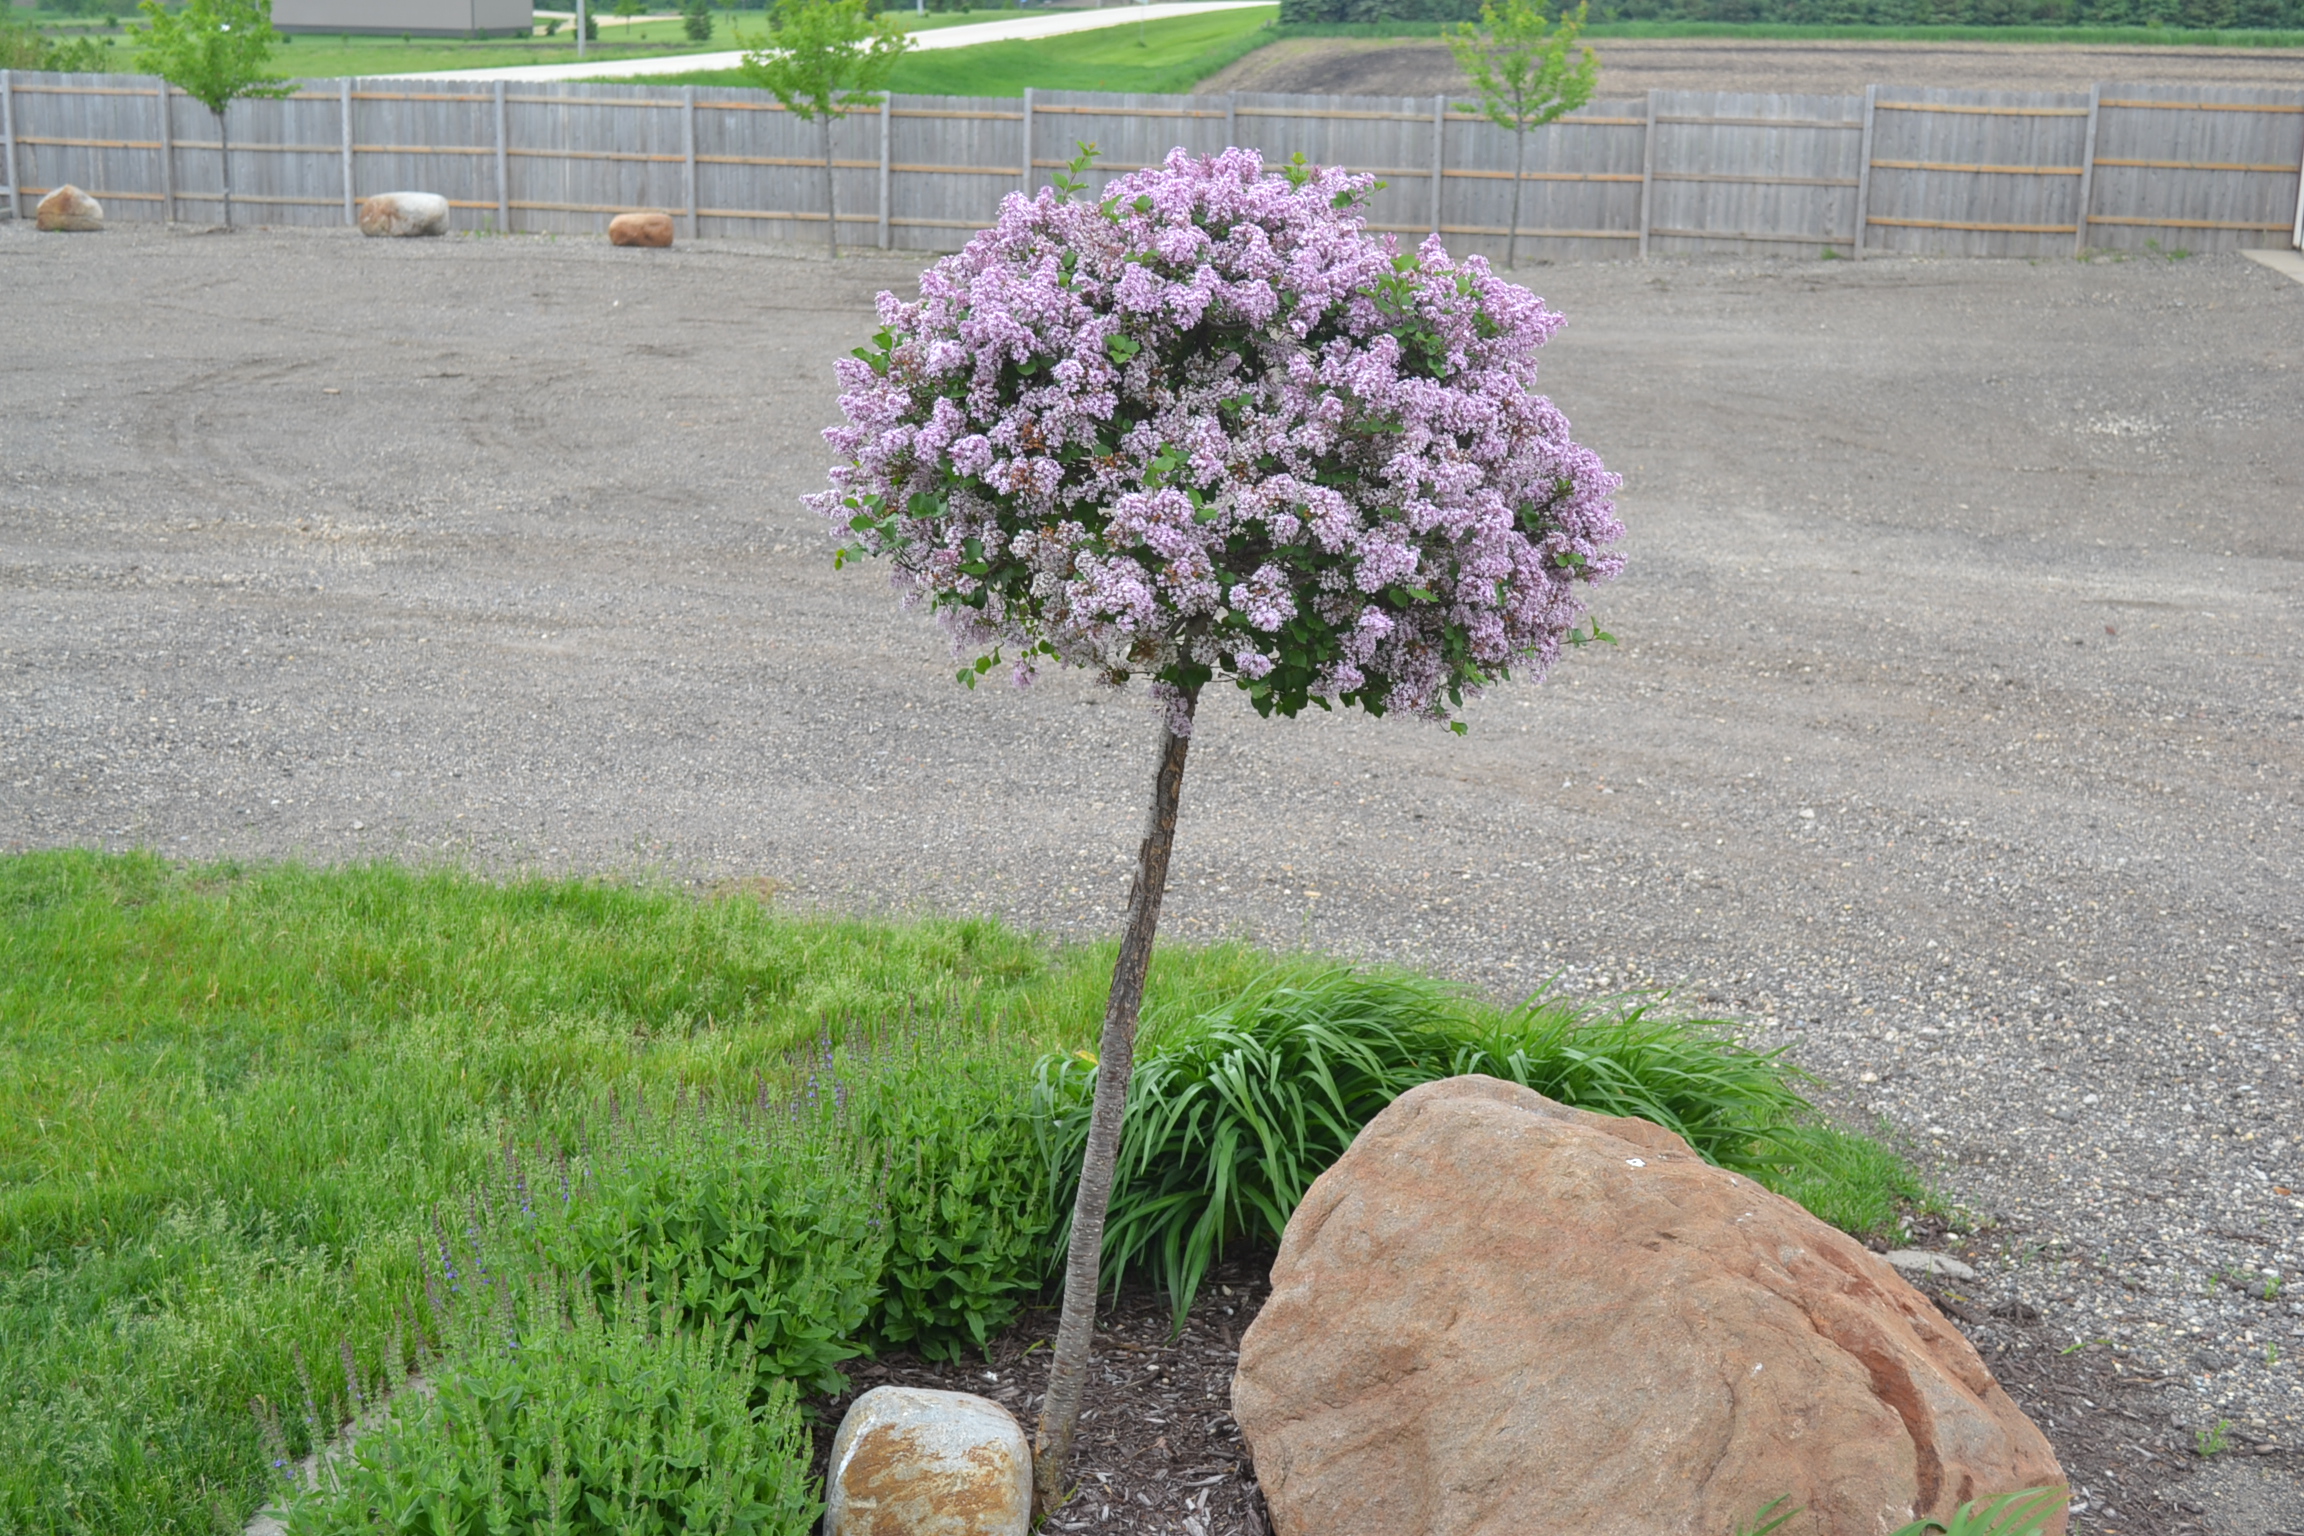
x: 68, y: 210
x: 1496, y: 1314
x: 653, y: 230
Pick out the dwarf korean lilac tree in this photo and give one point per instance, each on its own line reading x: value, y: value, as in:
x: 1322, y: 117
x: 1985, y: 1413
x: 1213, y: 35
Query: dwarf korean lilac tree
x: 1209, y: 427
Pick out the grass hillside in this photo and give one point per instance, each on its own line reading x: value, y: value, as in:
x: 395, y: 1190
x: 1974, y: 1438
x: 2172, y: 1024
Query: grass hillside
x: 1154, y: 56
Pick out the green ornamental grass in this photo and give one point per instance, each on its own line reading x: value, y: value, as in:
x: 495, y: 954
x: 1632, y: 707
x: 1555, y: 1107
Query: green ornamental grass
x: 1234, y: 1111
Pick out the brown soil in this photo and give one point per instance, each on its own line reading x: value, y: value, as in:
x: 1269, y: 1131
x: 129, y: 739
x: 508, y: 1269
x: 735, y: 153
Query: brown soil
x: 1159, y: 1451
x: 1634, y: 66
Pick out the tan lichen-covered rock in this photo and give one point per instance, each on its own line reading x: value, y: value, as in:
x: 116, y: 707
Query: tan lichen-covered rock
x: 653, y: 230
x: 911, y: 1462
x: 403, y: 215
x: 70, y: 211
x: 1496, y: 1314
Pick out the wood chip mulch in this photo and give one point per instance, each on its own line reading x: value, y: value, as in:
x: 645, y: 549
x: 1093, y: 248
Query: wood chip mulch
x: 1159, y: 1452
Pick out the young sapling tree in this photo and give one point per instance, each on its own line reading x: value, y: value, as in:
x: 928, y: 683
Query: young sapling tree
x: 1209, y: 426
x: 826, y: 59
x: 1519, y: 64
x: 214, y: 51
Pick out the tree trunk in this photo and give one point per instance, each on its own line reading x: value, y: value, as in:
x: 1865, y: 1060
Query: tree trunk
x: 831, y: 208
x: 1519, y: 165
x: 224, y: 142
x: 1116, y: 1057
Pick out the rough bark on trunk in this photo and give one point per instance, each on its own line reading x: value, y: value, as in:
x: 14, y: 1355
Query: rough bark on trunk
x: 224, y: 143
x: 1116, y: 1053
x: 831, y: 208
x: 1519, y: 168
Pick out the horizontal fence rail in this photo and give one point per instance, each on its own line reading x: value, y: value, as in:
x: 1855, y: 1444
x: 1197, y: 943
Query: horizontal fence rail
x: 1978, y: 173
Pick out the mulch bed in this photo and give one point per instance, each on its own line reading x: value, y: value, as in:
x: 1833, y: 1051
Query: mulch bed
x: 1158, y: 1450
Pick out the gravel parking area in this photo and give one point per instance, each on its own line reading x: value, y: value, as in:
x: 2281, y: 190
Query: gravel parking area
x: 1955, y: 738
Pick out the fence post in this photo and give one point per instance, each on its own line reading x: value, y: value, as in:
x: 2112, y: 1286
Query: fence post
x: 1864, y: 173
x: 167, y: 158
x: 1647, y: 172
x: 1027, y: 181
x: 351, y: 214
x: 8, y: 139
x: 2296, y: 235
x: 504, y: 166
x: 887, y: 114
x: 1439, y: 154
x: 1231, y: 119
x: 688, y: 150
x: 2087, y: 175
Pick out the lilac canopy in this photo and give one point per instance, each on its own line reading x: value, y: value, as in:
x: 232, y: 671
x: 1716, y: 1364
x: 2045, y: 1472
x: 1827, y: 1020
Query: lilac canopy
x: 1209, y: 424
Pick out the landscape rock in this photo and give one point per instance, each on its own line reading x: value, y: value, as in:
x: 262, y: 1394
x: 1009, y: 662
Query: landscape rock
x: 911, y: 1462
x: 404, y: 214
x: 68, y: 210
x: 653, y: 230
x: 1493, y: 1305
x: 1918, y: 1261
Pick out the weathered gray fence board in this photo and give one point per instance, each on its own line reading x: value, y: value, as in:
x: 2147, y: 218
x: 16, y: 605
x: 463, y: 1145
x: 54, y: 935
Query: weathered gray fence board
x: 2209, y: 168
x: 1949, y: 172
x: 1732, y: 170
x: 1977, y: 173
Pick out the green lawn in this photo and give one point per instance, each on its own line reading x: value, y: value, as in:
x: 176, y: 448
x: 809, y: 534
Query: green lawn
x: 320, y: 56
x: 229, y: 1098
x: 1154, y: 57
x: 233, y: 1100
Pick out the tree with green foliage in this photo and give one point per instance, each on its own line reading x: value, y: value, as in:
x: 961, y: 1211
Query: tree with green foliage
x: 214, y: 51
x: 1520, y: 65
x: 826, y: 59
x: 696, y: 20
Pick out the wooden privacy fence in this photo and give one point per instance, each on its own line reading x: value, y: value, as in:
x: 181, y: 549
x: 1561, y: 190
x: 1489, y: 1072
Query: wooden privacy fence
x: 1976, y: 173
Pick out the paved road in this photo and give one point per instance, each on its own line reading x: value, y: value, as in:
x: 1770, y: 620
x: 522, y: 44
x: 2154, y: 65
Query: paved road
x: 1956, y: 733
x: 1020, y: 29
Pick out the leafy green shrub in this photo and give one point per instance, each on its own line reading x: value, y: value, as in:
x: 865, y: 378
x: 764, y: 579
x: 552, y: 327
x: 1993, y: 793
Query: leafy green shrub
x: 968, y: 1195
x: 548, y: 1414
x: 1233, y: 1113
x: 757, y: 1223
x: 889, y: 1193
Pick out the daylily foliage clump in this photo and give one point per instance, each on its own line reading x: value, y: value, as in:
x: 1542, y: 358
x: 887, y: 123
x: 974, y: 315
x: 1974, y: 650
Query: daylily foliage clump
x: 1208, y: 424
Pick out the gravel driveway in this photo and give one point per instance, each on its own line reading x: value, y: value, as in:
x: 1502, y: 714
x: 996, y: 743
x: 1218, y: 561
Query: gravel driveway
x: 1954, y: 737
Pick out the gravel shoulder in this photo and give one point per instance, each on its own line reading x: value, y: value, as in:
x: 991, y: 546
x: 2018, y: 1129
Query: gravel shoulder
x: 1633, y: 66
x: 1955, y: 738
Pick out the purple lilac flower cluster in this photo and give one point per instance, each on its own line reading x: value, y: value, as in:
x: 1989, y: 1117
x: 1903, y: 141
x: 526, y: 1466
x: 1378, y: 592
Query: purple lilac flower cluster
x: 1209, y: 424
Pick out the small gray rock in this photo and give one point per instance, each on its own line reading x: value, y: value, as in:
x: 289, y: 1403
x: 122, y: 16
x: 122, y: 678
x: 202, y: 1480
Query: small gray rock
x: 2211, y: 1359
x: 928, y: 1464
x: 1916, y: 1261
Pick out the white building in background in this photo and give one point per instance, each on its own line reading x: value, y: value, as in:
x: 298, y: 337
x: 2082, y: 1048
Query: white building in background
x: 415, y: 18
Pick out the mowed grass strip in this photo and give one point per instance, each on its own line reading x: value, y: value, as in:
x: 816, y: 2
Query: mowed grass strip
x: 1151, y: 56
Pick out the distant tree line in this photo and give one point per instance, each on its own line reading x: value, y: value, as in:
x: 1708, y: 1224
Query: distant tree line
x: 2266, y: 14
